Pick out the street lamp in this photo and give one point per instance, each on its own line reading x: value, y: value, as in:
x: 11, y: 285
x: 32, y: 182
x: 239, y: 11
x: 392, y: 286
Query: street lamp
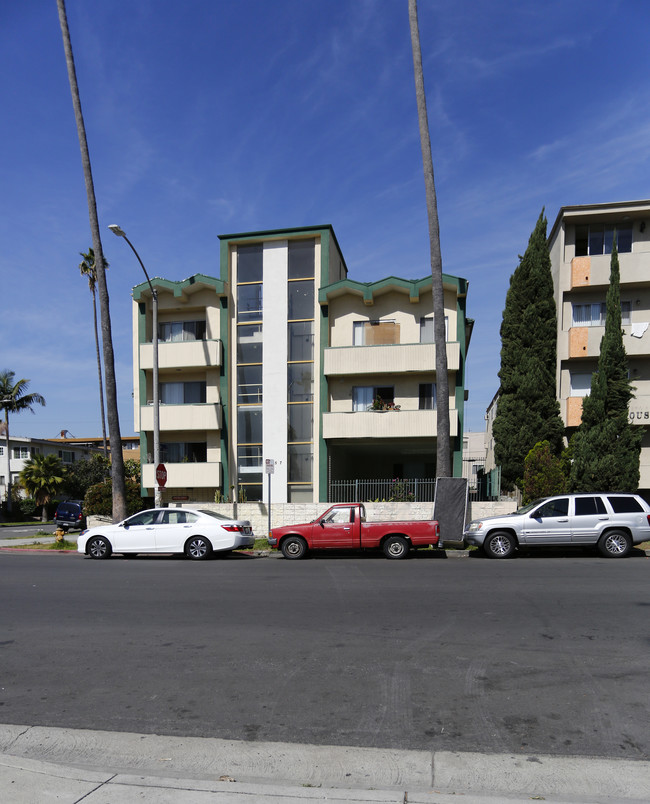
x: 156, y: 400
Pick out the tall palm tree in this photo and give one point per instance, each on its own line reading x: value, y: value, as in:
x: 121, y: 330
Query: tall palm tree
x: 14, y: 398
x: 117, y: 461
x: 42, y: 477
x: 89, y: 270
x: 443, y: 441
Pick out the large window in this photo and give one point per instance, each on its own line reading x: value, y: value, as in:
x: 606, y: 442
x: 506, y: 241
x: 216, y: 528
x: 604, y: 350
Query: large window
x: 182, y: 393
x: 183, y: 452
x: 301, y: 259
x: 249, y: 302
x: 301, y: 340
x: 249, y: 343
x: 594, y: 239
x: 249, y: 263
x: 580, y: 383
x: 23, y: 452
x: 427, y: 396
x: 363, y: 396
x: 249, y: 385
x: 175, y: 331
x: 374, y: 333
x: 593, y: 314
x: 426, y: 329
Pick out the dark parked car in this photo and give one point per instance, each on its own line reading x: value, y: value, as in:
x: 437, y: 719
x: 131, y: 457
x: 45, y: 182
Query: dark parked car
x: 70, y: 514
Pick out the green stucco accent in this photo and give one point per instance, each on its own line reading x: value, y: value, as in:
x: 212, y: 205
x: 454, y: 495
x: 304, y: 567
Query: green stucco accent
x: 321, y: 469
x: 224, y: 332
x: 178, y: 288
x: 414, y: 287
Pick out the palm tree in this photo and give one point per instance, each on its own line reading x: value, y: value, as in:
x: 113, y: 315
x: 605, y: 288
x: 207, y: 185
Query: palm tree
x: 443, y: 441
x: 88, y: 269
x: 14, y: 398
x: 42, y: 477
x: 117, y: 461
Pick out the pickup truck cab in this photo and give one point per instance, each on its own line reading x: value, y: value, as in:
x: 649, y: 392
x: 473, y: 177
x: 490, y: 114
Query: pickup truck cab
x: 344, y: 526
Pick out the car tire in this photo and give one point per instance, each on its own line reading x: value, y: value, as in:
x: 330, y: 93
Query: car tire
x: 98, y: 547
x: 499, y: 544
x: 198, y: 548
x: 294, y: 547
x: 396, y: 548
x: 615, y: 544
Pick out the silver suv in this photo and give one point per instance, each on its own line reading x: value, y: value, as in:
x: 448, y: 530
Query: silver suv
x: 611, y: 521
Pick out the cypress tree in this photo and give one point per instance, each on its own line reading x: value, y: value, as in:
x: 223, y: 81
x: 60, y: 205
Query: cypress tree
x: 607, y: 446
x: 527, y: 408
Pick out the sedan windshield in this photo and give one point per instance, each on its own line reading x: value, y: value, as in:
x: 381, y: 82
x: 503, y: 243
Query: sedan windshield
x: 215, y: 515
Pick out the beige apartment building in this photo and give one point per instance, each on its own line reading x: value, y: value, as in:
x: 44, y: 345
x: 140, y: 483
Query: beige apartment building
x: 580, y: 244
x: 284, y: 363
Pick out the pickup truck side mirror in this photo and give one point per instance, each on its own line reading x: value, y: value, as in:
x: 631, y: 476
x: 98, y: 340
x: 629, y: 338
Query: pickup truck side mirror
x: 321, y: 523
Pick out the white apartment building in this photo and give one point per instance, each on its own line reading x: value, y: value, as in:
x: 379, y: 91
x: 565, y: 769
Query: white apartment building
x: 284, y: 363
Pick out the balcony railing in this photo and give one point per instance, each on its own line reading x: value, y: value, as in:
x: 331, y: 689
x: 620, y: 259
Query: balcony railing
x: 182, y: 354
x: 202, y: 416
x: 382, y: 489
x: 387, y: 358
x: 386, y: 424
x: 185, y: 475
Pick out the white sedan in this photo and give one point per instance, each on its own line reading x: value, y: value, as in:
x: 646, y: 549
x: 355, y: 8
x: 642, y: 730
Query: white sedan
x: 196, y: 532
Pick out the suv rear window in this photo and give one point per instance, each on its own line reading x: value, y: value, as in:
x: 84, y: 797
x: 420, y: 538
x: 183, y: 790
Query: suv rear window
x: 625, y: 505
x: 586, y: 506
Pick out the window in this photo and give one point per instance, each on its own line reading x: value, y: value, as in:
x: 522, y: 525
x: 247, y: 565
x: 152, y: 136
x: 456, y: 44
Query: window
x: 175, y: 331
x: 375, y: 333
x: 249, y: 425
x: 580, y: 384
x: 589, y: 506
x: 249, y: 343
x: 182, y: 393
x: 249, y: 385
x: 301, y: 382
x: 426, y: 329
x: 625, y: 505
x: 249, y: 263
x: 300, y: 422
x: 184, y: 452
x: 427, y: 396
x: 302, y: 258
x: 66, y: 455
x: 301, y: 340
x: 175, y: 517
x: 301, y: 299
x: 363, y: 396
x: 553, y: 508
x: 340, y: 515
x: 593, y: 314
x: 300, y: 458
x: 594, y: 239
x: 23, y: 452
x: 249, y: 302
x: 143, y: 518
x: 2, y: 450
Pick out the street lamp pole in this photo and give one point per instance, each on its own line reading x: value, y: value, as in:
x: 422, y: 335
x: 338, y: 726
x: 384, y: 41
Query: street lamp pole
x: 156, y: 395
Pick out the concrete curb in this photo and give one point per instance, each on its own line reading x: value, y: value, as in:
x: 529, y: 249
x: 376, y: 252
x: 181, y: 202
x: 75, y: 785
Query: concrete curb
x: 343, y: 773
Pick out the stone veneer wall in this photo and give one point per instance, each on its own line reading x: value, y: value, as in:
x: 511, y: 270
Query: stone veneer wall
x: 295, y: 513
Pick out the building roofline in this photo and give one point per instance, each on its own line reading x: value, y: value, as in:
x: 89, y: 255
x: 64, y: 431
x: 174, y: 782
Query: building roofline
x: 615, y: 206
x: 368, y: 289
x: 178, y: 287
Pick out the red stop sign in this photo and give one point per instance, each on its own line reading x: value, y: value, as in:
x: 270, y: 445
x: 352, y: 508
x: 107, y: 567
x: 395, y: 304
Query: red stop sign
x: 161, y: 475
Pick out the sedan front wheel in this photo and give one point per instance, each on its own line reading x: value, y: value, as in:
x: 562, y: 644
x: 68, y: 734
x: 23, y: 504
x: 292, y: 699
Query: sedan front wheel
x: 99, y: 547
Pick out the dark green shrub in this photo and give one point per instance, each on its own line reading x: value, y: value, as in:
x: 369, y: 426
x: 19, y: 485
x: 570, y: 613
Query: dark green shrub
x: 99, y: 499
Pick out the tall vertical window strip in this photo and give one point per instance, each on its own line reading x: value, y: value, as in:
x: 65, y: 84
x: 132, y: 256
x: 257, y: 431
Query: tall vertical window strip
x: 249, y: 370
x: 300, y: 368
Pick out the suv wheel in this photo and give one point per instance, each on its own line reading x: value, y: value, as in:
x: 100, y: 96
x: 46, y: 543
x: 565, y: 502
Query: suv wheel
x: 615, y: 544
x: 499, y: 544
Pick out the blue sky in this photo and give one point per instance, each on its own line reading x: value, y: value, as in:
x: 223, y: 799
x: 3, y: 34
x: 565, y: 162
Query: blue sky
x: 207, y: 117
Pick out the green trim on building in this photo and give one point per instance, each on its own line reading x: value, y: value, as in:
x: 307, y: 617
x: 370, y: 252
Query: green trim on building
x: 414, y: 287
x: 323, y: 387
x: 178, y: 288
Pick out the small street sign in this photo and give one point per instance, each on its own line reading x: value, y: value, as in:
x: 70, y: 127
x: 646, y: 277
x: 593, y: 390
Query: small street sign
x: 269, y: 466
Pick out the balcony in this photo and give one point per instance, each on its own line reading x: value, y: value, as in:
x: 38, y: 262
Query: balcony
x: 204, y: 416
x: 594, y: 271
x: 585, y: 342
x: 386, y: 424
x: 182, y: 354
x: 185, y: 475
x: 387, y: 358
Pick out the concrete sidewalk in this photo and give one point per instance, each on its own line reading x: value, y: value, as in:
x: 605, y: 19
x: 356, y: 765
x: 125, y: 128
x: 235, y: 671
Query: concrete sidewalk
x: 41, y: 764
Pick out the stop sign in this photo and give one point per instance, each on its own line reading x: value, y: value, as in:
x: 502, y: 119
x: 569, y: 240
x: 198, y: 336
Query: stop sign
x: 161, y: 475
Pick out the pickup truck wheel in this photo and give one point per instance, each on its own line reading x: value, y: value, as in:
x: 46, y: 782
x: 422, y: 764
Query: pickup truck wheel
x: 396, y: 547
x: 499, y: 545
x: 294, y: 547
x: 615, y: 544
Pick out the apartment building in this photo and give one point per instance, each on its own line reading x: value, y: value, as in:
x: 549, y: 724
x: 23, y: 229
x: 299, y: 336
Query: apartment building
x: 580, y: 244
x: 284, y: 377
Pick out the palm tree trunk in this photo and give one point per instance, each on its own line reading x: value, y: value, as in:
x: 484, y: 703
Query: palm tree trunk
x: 99, y: 372
x: 443, y: 440
x: 8, y: 483
x: 117, y: 461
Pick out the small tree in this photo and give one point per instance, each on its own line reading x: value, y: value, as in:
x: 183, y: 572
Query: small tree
x: 99, y: 499
x: 84, y: 474
x: 543, y: 473
x: 42, y: 478
x: 606, y: 447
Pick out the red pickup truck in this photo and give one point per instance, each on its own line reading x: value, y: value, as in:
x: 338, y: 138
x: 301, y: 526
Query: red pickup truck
x: 345, y: 526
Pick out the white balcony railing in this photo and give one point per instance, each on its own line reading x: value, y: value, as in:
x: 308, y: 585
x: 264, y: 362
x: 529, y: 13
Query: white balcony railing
x: 386, y: 424
x: 204, y: 416
x: 387, y: 358
x: 185, y: 475
x: 182, y: 354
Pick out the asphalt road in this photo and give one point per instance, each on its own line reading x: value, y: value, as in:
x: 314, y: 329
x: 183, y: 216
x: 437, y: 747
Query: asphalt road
x: 533, y: 655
